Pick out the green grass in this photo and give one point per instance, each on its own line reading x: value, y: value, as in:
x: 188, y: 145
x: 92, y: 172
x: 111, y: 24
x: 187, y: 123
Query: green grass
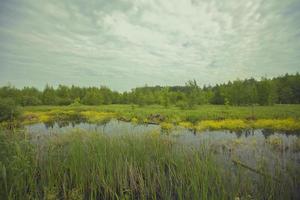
x: 83, y: 165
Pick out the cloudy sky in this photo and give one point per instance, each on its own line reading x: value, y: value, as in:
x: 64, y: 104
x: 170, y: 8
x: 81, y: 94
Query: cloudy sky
x: 128, y: 43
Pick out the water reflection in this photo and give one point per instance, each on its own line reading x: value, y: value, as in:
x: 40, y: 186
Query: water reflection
x: 250, y: 146
x: 111, y: 126
x: 255, y: 148
x: 253, y: 138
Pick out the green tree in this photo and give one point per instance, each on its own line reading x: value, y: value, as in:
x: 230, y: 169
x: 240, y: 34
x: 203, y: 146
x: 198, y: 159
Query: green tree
x: 192, y: 93
x: 165, y: 98
x: 49, y: 96
x: 93, y: 97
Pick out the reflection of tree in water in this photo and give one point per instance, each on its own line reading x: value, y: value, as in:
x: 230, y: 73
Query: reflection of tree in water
x: 62, y: 124
x: 245, y: 133
x: 267, y: 132
x: 193, y: 130
x: 238, y: 133
x: 103, y: 123
x: 78, y: 121
x: 294, y: 133
x: 49, y: 124
x: 73, y: 124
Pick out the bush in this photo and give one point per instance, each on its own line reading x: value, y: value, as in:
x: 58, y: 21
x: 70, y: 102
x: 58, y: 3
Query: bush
x: 182, y: 105
x: 30, y: 101
x: 64, y: 101
x: 8, y: 109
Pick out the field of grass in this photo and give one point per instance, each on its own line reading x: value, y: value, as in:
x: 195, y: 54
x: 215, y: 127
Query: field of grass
x: 206, y: 117
x: 203, y: 112
x: 81, y: 165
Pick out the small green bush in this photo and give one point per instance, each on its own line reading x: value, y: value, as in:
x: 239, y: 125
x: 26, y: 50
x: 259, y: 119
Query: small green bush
x: 8, y: 109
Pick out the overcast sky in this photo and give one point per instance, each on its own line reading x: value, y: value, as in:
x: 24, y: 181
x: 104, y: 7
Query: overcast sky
x: 129, y: 43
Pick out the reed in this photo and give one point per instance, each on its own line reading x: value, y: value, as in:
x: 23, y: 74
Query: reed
x: 81, y: 165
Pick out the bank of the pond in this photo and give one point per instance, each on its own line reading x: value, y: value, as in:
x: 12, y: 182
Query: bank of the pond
x: 87, y: 165
x: 283, y: 120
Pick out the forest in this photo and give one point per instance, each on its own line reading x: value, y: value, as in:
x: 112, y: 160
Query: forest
x: 279, y: 90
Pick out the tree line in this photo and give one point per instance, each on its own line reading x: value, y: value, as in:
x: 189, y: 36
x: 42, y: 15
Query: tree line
x: 279, y: 90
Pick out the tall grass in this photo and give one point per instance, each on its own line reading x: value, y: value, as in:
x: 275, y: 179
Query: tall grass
x: 82, y: 165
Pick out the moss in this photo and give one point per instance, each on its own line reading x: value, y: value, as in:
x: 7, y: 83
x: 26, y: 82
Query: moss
x: 167, y: 127
x: 96, y: 117
x: 277, y: 124
x: 134, y: 120
x: 238, y: 124
x: 65, y: 115
x: 186, y: 124
x: 235, y: 124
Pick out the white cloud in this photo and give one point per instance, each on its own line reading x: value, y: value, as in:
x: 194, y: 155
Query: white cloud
x: 125, y: 43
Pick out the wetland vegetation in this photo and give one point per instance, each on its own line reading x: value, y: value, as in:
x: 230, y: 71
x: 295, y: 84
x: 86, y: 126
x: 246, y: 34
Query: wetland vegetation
x: 186, y: 143
x: 87, y: 165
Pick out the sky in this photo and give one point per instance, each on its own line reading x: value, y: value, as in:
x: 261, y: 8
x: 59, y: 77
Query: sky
x: 124, y: 44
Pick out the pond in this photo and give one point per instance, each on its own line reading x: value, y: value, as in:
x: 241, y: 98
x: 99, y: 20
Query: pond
x: 257, y: 149
x: 243, y: 144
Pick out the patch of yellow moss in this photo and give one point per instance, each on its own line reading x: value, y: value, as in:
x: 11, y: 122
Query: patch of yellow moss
x: 94, y: 117
x: 238, y: 124
x: 230, y: 124
x: 186, y: 124
x: 145, y: 121
x: 277, y: 124
x: 35, y: 117
x: 166, y: 126
x: 91, y: 116
x: 134, y: 120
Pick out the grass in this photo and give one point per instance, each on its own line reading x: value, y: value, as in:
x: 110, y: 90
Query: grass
x: 212, y: 117
x: 81, y: 165
x: 203, y: 112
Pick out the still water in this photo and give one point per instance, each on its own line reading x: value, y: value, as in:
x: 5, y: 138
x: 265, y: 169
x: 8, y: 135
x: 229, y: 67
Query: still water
x: 255, y: 148
x: 278, y: 152
x: 258, y: 142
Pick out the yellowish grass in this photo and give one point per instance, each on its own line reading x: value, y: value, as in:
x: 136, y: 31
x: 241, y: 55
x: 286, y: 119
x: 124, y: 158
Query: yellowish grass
x: 238, y: 124
x: 94, y: 116
x: 277, y: 124
x: 230, y: 124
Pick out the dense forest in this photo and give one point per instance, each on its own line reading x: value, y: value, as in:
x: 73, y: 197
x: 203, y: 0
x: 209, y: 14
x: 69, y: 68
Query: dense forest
x: 279, y: 90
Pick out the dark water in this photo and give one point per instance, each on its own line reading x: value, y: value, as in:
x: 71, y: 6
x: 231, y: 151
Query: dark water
x: 111, y: 127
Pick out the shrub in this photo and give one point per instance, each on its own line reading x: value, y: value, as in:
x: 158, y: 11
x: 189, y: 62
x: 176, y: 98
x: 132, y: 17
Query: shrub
x: 30, y: 101
x: 8, y: 109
